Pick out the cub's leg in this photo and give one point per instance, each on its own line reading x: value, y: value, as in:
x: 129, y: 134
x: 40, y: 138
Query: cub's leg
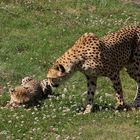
x: 118, y: 89
x: 91, y: 83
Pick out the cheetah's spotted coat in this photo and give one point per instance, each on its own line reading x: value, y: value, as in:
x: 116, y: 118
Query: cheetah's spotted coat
x: 96, y: 57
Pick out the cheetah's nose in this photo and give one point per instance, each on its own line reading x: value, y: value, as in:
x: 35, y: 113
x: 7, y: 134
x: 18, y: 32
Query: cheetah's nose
x: 55, y: 85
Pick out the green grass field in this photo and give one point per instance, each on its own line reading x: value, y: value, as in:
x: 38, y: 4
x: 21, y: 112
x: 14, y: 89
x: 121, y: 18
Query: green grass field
x: 33, y: 34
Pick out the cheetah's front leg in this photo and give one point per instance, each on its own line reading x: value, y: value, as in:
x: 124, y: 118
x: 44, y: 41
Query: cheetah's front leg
x: 118, y: 89
x: 91, y: 83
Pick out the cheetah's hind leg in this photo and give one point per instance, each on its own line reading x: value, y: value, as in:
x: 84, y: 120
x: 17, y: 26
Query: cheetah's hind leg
x: 136, y: 103
x: 133, y: 71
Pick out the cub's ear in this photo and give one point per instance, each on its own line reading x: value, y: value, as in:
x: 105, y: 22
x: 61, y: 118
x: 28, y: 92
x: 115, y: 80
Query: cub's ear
x: 11, y: 90
x: 61, y: 68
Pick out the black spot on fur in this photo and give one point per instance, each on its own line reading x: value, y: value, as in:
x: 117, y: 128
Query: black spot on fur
x: 92, y: 83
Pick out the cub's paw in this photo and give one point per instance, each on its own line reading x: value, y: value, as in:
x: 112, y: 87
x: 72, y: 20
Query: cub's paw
x: 46, y: 88
x: 12, y: 105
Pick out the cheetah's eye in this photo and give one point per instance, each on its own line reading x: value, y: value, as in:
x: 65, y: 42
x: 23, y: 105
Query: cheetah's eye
x: 57, y: 68
x: 61, y: 68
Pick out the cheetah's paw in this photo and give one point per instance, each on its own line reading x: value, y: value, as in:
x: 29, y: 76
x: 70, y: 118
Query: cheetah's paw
x: 88, y: 109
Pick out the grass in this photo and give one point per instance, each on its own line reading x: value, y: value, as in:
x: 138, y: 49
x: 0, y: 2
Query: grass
x: 33, y: 34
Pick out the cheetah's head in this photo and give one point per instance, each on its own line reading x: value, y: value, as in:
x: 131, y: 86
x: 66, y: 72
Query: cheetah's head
x: 56, y: 74
x: 20, y: 95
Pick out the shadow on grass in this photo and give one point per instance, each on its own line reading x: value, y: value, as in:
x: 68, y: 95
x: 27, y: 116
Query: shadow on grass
x: 28, y: 105
x: 107, y: 107
x: 103, y: 107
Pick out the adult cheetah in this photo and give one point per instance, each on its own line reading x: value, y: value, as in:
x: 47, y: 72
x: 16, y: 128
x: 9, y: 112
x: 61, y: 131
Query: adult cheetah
x: 105, y: 56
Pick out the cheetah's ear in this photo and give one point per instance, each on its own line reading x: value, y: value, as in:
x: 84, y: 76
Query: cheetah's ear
x: 60, y: 68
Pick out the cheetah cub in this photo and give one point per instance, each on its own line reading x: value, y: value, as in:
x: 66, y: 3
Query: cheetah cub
x: 29, y: 93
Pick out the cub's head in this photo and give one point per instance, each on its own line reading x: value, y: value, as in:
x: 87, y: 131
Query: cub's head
x: 22, y: 96
x: 19, y: 95
x: 56, y: 74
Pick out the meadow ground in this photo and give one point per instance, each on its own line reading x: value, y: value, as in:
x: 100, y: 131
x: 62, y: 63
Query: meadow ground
x: 33, y: 34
